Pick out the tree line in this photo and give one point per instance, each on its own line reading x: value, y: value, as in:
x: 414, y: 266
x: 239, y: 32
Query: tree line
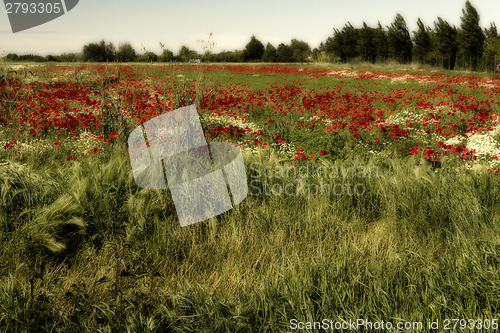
x: 445, y: 45
x: 296, y: 51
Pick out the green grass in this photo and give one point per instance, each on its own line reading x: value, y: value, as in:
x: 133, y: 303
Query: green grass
x: 82, y: 248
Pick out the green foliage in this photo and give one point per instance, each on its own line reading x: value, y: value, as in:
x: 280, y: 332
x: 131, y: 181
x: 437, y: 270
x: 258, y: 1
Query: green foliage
x: 166, y: 56
x: 24, y: 57
x: 492, y: 43
x: 399, y: 40
x: 147, y: 57
x: 100, y: 52
x: 381, y: 42
x: 125, y: 52
x: 254, y: 50
x: 186, y: 54
x: 366, y: 44
x: 300, y: 50
x: 270, y: 53
x: 422, y: 40
x: 284, y: 53
x: 471, y: 36
x: 446, y: 42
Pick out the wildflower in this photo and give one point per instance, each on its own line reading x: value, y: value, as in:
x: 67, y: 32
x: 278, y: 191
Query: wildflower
x: 9, y: 144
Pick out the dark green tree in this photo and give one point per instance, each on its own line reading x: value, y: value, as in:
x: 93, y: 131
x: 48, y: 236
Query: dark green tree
x: 93, y: 52
x: 101, y: 52
x: 335, y: 45
x: 186, y: 54
x: 422, y: 40
x: 270, y: 54
x: 471, y: 36
x: 166, y: 56
x: 492, y: 43
x: 125, y: 52
x: 350, y: 37
x: 109, y: 51
x: 148, y: 56
x: 254, y: 50
x: 284, y: 53
x: 400, y: 44
x: 300, y: 50
x: 12, y: 57
x: 366, y: 43
x: 446, y: 42
x: 381, y: 42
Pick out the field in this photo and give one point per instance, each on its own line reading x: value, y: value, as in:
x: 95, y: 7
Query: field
x: 374, y: 194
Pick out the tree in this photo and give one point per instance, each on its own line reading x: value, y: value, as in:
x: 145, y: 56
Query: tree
x: 109, y: 51
x: 284, y: 53
x: 125, y: 52
x: 70, y: 57
x: 335, y: 45
x: 300, y: 50
x: 471, y: 36
x: 270, y: 54
x: 254, y: 50
x: 366, y: 43
x: 12, y: 57
x: 148, y: 56
x: 350, y: 41
x: 446, y: 42
x: 186, y: 54
x: 101, y: 52
x: 492, y: 43
x: 166, y: 56
x: 422, y: 39
x: 93, y: 52
x: 381, y: 42
x: 399, y: 40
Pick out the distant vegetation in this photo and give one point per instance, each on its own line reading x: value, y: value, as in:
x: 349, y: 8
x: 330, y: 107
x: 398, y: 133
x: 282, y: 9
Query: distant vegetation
x: 467, y: 47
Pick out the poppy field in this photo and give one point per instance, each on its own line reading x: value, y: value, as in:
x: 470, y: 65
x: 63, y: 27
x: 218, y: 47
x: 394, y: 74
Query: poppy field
x: 373, y: 194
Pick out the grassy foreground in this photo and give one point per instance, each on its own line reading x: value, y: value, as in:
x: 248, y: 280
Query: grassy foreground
x: 415, y: 247
x: 391, y: 239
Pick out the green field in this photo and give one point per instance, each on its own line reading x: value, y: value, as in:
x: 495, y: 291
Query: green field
x: 345, y: 218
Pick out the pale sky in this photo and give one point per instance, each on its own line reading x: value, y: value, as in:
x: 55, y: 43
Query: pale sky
x: 176, y: 23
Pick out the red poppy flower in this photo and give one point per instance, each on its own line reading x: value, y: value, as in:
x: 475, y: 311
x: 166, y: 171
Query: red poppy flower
x: 323, y: 152
x: 9, y: 144
x: 113, y: 135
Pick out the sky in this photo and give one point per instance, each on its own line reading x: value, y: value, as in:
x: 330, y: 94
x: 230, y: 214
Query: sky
x: 174, y: 23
